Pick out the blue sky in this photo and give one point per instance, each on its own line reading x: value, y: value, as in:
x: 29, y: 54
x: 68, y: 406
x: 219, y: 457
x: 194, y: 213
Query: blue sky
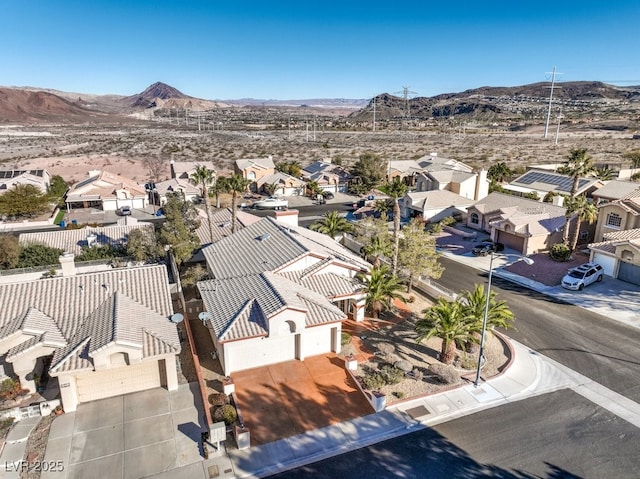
x: 225, y: 49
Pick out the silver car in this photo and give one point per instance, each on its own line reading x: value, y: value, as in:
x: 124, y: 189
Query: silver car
x: 580, y: 276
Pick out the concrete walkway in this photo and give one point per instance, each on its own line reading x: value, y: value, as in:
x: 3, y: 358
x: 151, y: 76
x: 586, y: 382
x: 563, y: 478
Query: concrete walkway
x: 11, y: 459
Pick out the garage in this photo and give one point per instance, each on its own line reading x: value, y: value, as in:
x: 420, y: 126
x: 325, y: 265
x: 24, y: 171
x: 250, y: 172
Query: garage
x: 317, y: 340
x: 240, y: 355
x: 511, y: 241
x: 629, y: 272
x: 607, y: 262
x: 123, y: 380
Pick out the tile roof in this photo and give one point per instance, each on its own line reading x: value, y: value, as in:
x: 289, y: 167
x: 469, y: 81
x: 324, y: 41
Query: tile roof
x: 500, y: 202
x: 425, y: 200
x: 176, y: 184
x: 240, y: 308
x: 280, y: 179
x: 221, y: 222
x: 622, y: 235
x: 451, y: 176
x: 261, y: 246
x: 544, y: 180
x: 330, y: 285
x: 615, y: 189
x: 437, y: 163
x: 118, y: 301
x: 104, y: 185
x: 265, y: 163
x: 184, y: 169
x: 73, y: 241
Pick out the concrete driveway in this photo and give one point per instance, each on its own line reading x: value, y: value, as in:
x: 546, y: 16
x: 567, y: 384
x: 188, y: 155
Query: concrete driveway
x: 131, y: 436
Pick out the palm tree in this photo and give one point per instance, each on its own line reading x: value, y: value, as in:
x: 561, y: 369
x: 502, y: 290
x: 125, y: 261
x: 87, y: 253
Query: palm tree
x: 313, y: 188
x: 445, y: 320
x: 498, y: 313
x: 332, y: 224
x: 396, y: 189
x: 583, y: 210
x: 499, y: 172
x: 236, y: 184
x: 270, y: 188
x: 383, y: 207
x: 205, y: 179
x: 579, y: 165
x: 605, y: 173
x: 378, y: 246
x: 381, y: 287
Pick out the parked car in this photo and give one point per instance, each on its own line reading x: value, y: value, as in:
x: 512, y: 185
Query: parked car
x: 486, y: 247
x: 124, y: 211
x: 327, y: 195
x: 580, y: 276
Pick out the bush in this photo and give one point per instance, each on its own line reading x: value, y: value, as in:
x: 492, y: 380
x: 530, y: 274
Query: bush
x: 9, y: 389
x: 398, y: 394
x: 391, y: 374
x: 226, y: 413
x: 345, y: 338
x: 444, y: 373
x: 448, y: 221
x: 218, y: 399
x: 373, y: 381
x: 560, y: 252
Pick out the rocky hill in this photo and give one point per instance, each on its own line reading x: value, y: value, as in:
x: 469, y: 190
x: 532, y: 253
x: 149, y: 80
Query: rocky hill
x: 25, y: 107
x: 488, y: 103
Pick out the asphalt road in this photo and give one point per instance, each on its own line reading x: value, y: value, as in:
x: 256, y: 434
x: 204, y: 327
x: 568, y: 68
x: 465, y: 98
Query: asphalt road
x: 598, y: 347
x: 557, y: 435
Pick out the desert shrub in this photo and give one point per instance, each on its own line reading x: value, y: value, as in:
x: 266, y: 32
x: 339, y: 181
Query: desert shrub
x: 218, y: 399
x: 391, y: 374
x: 411, y: 299
x: 435, y: 228
x: 560, y: 252
x: 448, y: 221
x: 9, y: 389
x: 398, y: 394
x: 226, y: 413
x: 373, y: 381
x: 345, y: 338
x: 444, y: 373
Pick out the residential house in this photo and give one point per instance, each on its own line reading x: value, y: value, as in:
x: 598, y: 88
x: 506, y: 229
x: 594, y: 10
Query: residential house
x: 470, y: 185
x: 434, y: 205
x: 614, y: 190
x: 188, y: 190
x: 221, y: 222
x: 404, y: 169
x: 38, y: 178
x: 285, y: 185
x: 99, y: 334
x: 106, y: 191
x: 254, y: 168
x: 543, y: 182
x: 329, y: 177
x: 618, y: 215
x: 278, y: 293
x: 182, y: 170
x: 527, y: 226
x: 76, y: 240
x: 619, y: 254
x: 433, y: 162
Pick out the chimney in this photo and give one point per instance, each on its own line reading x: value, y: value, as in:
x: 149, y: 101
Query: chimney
x: 557, y: 200
x: 287, y: 217
x: 482, y: 185
x: 68, y: 264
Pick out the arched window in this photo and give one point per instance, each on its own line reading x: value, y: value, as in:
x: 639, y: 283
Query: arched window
x: 475, y: 218
x: 251, y: 175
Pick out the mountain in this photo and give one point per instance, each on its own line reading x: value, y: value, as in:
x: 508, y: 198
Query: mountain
x: 147, y: 98
x: 24, y: 106
x: 489, y: 103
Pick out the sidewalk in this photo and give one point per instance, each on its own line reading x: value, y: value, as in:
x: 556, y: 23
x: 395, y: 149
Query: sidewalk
x: 530, y: 374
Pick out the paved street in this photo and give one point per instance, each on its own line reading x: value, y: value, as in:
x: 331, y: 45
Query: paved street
x: 598, y: 347
x: 556, y: 435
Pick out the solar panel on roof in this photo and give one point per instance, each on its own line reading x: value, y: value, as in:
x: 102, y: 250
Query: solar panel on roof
x: 559, y: 181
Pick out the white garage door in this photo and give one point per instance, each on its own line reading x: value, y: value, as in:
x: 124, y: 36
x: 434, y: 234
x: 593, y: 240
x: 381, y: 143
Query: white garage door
x: 317, y: 341
x: 260, y: 353
x: 607, y: 262
x: 116, y: 381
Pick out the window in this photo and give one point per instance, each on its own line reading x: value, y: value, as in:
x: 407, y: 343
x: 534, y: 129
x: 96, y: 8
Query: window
x: 475, y: 219
x: 584, y: 235
x: 614, y: 220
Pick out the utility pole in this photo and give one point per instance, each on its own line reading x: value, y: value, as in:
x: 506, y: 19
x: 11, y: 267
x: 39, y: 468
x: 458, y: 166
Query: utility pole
x: 374, y: 113
x: 405, y: 94
x: 553, y: 81
x: 560, y: 117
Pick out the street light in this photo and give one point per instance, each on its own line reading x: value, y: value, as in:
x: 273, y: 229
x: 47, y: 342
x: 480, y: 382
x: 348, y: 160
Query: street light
x: 529, y: 261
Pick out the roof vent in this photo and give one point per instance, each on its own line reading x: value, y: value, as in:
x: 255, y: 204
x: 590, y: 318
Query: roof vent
x: 264, y: 236
x: 92, y: 240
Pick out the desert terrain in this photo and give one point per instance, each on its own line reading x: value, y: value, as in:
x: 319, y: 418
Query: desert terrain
x: 72, y: 150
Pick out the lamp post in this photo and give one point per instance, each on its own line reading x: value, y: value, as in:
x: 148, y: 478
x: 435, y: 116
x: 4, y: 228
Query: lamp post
x: 529, y: 261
